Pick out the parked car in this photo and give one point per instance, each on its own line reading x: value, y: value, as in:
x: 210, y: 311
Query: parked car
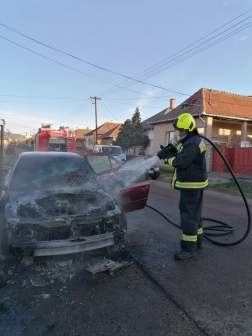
x: 125, y: 157
x: 154, y: 172
x: 244, y: 144
x: 128, y: 181
x: 56, y: 204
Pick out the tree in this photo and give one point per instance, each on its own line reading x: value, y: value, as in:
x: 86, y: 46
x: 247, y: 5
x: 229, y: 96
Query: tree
x: 132, y: 133
x: 136, y: 119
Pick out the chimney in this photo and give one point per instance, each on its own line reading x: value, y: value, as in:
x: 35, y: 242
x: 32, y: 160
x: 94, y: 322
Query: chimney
x: 172, y: 104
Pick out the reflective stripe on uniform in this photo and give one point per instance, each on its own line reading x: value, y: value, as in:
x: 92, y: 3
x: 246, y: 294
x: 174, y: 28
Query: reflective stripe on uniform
x: 189, y: 238
x: 200, y: 231
x: 202, y: 147
x: 180, y: 148
x: 174, y: 177
x: 170, y: 161
x: 193, y: 185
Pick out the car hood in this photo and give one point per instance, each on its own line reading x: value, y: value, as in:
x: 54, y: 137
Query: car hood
x: 43, y: 205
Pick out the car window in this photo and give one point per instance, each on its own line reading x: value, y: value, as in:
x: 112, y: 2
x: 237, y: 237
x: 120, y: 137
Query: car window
x: 112, y: 150
x: 121, y: 157
x: 50, y: 173
x: 99, y: 163
x: 114, y: 164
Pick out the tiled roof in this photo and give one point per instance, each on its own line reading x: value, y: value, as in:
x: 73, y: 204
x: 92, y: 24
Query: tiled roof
x: 212, y: 102
x: 146, y: 122
x: 112, y: 133
x: 104, y: 128
x: 81, y: 133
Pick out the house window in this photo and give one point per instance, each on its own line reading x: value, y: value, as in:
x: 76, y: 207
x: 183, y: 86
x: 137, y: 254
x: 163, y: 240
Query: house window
x: 170, y: 137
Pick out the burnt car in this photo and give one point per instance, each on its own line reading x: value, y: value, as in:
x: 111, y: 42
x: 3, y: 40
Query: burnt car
x: 56, y: 204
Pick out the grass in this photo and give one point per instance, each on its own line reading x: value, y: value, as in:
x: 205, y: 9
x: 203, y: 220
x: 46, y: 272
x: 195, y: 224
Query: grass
x: 164, y: 171
x: 230, y: 186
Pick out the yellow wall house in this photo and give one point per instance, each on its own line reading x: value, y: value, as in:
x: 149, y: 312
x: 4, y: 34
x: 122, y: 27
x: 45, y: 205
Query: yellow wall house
x: 225, y: 118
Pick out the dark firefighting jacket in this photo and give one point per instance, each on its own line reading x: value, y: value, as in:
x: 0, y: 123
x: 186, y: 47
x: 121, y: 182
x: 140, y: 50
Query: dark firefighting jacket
x: 190, y: 164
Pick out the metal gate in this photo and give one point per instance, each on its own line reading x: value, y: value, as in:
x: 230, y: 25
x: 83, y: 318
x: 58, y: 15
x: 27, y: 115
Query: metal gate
x: 240, y: 160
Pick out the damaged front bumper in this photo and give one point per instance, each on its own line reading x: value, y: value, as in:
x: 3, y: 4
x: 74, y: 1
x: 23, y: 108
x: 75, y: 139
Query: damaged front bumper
x: 67, y: 246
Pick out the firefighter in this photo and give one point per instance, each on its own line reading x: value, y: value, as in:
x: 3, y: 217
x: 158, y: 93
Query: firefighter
x: 190, y: 177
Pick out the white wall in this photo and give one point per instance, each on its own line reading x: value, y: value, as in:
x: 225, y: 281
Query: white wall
x: 150, y: 135
x: 90, y: 142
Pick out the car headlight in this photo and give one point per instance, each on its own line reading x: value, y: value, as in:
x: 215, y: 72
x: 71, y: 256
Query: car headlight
x: 157, y: 169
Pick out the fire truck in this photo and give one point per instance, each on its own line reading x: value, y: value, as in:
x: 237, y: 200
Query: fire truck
x: 61, y: 140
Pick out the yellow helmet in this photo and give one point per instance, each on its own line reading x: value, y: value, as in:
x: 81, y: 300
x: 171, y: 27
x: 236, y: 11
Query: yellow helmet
x: 184, y: 122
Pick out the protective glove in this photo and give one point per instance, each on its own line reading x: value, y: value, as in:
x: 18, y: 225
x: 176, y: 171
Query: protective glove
x: 167, y: 152
x: 170, y: 156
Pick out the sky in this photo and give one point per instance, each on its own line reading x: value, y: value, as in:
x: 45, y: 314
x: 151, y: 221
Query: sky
x: 127, y: 37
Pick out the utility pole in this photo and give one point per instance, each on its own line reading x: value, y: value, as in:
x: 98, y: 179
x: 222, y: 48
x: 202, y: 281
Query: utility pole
x: 3, y: 138
x: 95, y: 98
x: 2, y: 149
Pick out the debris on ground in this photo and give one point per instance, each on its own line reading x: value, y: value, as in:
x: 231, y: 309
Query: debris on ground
x: 109, y: 266
x: 27, y: 260
x: 43, y: 296
x: 38, y: 283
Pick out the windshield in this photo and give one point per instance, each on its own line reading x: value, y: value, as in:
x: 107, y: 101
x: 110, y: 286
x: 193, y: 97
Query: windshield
x: 53, y: 173
x: 112, y: 150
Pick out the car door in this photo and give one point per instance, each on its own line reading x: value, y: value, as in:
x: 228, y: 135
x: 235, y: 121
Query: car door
x: 130, y: 178
x: 135, y: 195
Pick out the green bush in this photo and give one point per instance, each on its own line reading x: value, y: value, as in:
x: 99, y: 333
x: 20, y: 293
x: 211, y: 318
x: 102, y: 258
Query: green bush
x: 10, y: 150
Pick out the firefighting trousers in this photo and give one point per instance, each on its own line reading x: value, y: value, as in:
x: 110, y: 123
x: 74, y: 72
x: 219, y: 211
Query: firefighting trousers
x: 190, y: 206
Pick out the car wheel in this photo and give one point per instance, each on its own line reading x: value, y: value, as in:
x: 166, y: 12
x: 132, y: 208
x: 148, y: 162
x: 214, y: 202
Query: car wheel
x: 155, y: 177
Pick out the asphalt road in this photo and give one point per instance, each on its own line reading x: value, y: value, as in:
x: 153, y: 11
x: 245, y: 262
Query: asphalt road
x: 214, y: 288
x: 206, y: 295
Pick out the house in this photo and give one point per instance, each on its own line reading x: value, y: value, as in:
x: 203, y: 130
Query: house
x: 80, y: 137
x: 225, y: 118
x: 102, y: 130
x: 107, y: 138
x: 149, y: 128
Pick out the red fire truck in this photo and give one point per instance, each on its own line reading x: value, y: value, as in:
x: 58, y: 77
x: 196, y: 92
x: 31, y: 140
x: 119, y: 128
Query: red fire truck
x: 48, y: 140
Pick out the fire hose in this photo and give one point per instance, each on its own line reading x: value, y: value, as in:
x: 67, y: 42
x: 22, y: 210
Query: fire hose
x: 221, y: 228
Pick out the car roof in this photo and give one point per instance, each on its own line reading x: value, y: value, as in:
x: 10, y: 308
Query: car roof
x: 29, y: 155
x: 132, y: 155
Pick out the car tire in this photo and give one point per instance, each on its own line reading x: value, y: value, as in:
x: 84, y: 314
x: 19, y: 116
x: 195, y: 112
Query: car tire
x: 155, y: 177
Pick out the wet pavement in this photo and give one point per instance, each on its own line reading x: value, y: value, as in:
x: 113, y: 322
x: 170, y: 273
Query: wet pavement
x: 215, y: 287
x: 210, y: 294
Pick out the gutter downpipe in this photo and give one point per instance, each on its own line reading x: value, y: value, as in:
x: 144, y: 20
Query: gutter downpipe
x: 204, y: 125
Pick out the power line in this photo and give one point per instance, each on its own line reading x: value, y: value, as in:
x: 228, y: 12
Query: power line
x: 12, y: 102
x: 82, y: 105
x: 111, y: 101
x: 157, y: 70
x: 41, y: 97
x: 127, y: 82
x: 110, y: 111
x: 71, y: 68
x: 104, y: 69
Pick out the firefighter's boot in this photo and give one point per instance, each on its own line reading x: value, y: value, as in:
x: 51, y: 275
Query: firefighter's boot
x: 182, y: 255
